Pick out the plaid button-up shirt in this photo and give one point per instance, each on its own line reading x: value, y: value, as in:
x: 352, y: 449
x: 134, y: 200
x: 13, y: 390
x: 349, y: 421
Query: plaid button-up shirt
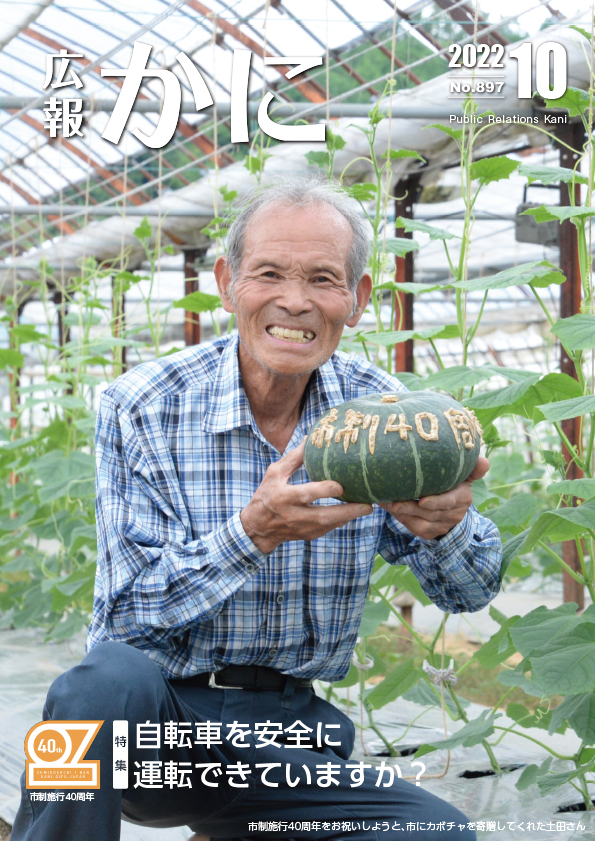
x: 178, y: 456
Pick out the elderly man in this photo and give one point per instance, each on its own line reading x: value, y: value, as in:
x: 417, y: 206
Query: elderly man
x: 227, y: 582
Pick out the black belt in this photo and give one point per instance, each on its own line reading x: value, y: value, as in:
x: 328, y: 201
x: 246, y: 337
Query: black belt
x: 242, y: 677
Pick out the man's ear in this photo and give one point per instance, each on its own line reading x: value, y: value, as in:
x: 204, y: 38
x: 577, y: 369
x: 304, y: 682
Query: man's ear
x: 362, y: 296
x: 222, y: 272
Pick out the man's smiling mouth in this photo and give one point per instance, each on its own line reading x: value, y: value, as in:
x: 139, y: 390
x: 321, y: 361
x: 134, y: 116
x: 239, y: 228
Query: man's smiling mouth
x: 300, y: 337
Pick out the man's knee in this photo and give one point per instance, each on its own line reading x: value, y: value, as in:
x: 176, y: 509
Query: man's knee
x: 104, y: 684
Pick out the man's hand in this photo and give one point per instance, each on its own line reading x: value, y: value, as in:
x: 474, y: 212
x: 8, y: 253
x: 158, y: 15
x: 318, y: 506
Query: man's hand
x: 435, y: 516
x: 279, y: 511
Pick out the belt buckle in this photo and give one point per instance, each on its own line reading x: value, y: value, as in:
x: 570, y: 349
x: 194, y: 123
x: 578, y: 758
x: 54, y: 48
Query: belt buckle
x: 214, y: 685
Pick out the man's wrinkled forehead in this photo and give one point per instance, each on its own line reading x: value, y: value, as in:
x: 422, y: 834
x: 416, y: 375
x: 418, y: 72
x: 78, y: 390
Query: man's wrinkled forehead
x: 321, y: 220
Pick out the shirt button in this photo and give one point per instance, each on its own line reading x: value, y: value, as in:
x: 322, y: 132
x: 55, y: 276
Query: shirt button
x: 273, y: 652
x: 280, y: 598
x: 249, y: 567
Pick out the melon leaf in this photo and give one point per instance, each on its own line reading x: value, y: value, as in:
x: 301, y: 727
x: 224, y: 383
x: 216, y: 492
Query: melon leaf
x: 581, y: 488
x: 492, y: 169
x: 414, y: 225
x: 539, y: 273
x: 550, y: 174
x: 375, y: 613
x: 553, y: 212
x: 565, y: 409
x: 198, y: 302
x: 576, y: 100
x: 471, y: 734
x: 513, y: 513
x: 396, y: 683
x: 393, y: 337
x: 398, y: 245
x: 576, y: 332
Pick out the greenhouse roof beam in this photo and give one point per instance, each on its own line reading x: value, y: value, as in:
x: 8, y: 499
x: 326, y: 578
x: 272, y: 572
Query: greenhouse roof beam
x: 111, y: 210
x: 335, y: 53
x: 51, y: 141
x: 33, y: 201
x: 352, y: 72
x: 72, y: 148
x: 65, y: 228
x: 337, y: 108
x: 182, y: 10
x: 340, y: 97
x: 197, y: 138
x: 219, y: 39
x: 413, y: 77
x: 174, y: 6
x: 203, y: 143
x: 18, y: 28
x: 105, y: 173
x: 311, y: 90
x: 417, y: 26
x: 465, y: 16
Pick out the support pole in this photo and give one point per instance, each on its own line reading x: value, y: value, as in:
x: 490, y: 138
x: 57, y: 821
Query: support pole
x: 62, y: 310
x: 191, y: 319
x: 570, y: 303
x: 119, y: 324
x: 63, y: 329
x: 15, y: 381
x: 409, y: 189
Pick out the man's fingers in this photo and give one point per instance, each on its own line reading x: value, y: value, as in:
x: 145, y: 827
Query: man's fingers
x: 480, y: 470
x: 451, y: 499
x: 411, y: 509
x: 291, y: 461
x: 338, y: 515
x: 427, y: 529
x: 312, y: 491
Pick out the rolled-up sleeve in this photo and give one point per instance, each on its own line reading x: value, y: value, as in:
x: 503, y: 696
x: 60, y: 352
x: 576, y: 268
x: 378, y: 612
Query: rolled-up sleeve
x: 458, y: 572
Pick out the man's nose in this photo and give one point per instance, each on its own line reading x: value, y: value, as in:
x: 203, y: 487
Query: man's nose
x: 295, y: 296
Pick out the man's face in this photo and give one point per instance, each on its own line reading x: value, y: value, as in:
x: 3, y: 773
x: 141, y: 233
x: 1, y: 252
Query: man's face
x: 292, y: 297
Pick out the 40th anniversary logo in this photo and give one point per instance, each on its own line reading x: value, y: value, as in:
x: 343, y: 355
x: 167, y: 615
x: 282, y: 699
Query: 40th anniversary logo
x: 55, y: 755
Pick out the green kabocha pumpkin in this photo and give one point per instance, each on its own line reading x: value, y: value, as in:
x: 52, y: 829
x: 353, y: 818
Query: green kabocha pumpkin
x: 392, y: 447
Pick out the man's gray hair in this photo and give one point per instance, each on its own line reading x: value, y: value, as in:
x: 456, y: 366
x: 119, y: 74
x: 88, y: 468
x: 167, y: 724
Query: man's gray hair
x: 303, y: 191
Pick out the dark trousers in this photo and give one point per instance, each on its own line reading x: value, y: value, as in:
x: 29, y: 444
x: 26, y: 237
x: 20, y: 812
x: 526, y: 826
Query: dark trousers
x: 117, y: 681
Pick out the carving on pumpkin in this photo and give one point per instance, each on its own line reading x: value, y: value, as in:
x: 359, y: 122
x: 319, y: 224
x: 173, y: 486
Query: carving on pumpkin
x: 389, y: 398
x: 324, y: 431
x: 402, y: 427
x: 350, y: 431
x: 375, y: 422
x: 461, y: 422
x: 476, y: 424
x: 432, y: 435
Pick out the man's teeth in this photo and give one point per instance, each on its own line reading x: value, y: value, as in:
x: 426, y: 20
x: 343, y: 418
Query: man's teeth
x: 302, y: 337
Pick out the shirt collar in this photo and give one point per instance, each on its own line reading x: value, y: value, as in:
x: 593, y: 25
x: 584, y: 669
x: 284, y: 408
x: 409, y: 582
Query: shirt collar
x: 324, y: 392
x: 229, y: 406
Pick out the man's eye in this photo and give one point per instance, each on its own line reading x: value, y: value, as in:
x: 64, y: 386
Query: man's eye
x: 270, y: 274
x: 323, y: 279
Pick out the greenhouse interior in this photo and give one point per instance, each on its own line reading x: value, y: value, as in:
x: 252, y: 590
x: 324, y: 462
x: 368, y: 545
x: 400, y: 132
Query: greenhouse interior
x: 459, y: 133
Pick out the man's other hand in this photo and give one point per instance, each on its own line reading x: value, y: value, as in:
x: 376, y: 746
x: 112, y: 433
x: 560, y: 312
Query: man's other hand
x: 435, y: 516
x: 279, y: 511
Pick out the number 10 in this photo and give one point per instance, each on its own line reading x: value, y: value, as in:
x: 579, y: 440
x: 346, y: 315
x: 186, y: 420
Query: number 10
x: 542, y: 69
